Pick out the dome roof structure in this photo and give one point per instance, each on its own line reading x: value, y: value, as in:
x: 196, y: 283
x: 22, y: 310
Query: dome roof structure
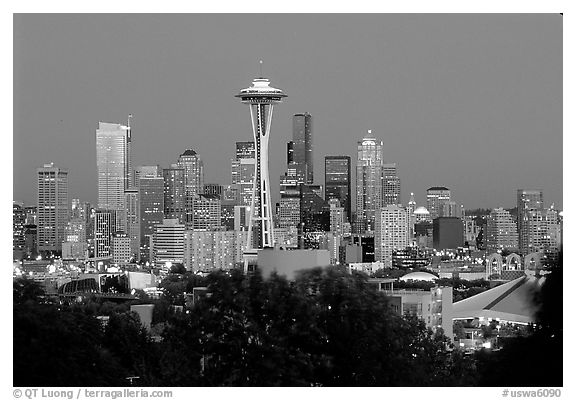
x: 419, y: 276
x: 421, y: 210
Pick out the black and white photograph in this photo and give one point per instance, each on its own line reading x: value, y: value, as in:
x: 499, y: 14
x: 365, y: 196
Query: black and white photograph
x: 367, y: 200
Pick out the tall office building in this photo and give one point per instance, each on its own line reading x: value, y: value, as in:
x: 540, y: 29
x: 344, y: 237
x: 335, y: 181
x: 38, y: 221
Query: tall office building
x: 390, y: 184
x: 501, y: 231
x: 174, y: 193
x: 151, y: 194
x: 113, y: 159
x: 530, y: 205
x: 213, y: 188
x: 391, y: 233
x: 193, y: 167
x: 146, y: 171
x: 121, y: 251
x: 133, y: 221
x: 261, y: 99
x: 18, y: 236
x: 337, y: 217
x: 168, y: 243
x: 410, y: 208
x: 207, y: 212
x: 368, y: 182
x: 436, y: 197
x: 447, y: 233
x: 53, y: 210
x: 104, y: 229
x: 338, y: 183
x: 302, y: 148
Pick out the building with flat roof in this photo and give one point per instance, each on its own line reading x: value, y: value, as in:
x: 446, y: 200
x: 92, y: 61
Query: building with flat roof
x: 53, y: 209
x: 447, y: 233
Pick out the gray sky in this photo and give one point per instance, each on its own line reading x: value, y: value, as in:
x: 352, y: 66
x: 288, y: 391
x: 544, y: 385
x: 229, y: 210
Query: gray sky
x: 471, y: 102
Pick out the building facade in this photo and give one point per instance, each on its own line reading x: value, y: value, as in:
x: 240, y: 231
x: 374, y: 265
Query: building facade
x: 501, y: 231
x: 391, y: 233
x: 52, y: 207
x: 302, y: 147
x: 436, y: 197
x: 338, y: 183
x: 368, y: 182
x: 114, y: 165
x: 390, y: 185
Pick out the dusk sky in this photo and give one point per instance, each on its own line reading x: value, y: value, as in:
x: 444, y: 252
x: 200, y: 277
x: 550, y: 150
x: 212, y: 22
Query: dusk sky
x: 468, y: 101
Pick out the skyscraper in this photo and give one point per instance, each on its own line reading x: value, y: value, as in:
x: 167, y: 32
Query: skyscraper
x: 168, y: 243
x: 132, y: 196
x: 530, y: 205
x: 390, y: 184
x: 338, y: 181
x: 174, y: 193
x: 243, y: 169
x: 436, y: 197
x: 193, y: 167
x: 53, y: 209
x: 391, y: 232
x: 146, y: 171
x: 501, y: 231
x: 368, y: 182
x: 261, y: 99
x: 18, y: 223
x: 113, y: 159
x: 302, y: 147
x: 104, y: 228
x: 151, y: 193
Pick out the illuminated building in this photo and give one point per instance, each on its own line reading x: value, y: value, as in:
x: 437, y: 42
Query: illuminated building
x: 338, y: 183
x: 436, y: 197
x: 114, y: 165
x: 391, y: 233
x: 501, y: 231
x: 368, y: 182
x: 52, y: 210
x: 174, y: 193
x: 390, y: 185
x: 302, y: 148
x: 168, y: 243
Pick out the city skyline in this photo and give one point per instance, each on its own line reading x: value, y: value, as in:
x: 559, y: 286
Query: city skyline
x: 411, y: 82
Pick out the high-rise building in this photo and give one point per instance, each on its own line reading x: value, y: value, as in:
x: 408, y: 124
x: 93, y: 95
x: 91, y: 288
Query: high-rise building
x: 113, y: 159
x: 121, y: 251
x: 213, y: 188
x: 368, y: 182
x: 53, y: 209
x: 410, y: 208
x: 104, y: 228
x: 314, y: 210
x: 18, y: 223
x: 243, y: 170
x: 207, y: 212
x: 436, y: 197
x: 75, y: 230
x: 133, y: 221
x: 193, y: 167
x: 302, y: 148
x: 451, y: 209
x: 151, y: 193
x: 501, y: 231
x: 208, y: 250
x: 168, y: 243
x: 174, y: 193
x: 530, y: 205
x: 146, y: 171
x: 338, y: 183
x: 337, y: 217
x: 391, y: 233
x: 390, y: 184
x: 261, y: 99
x: 553, y: 239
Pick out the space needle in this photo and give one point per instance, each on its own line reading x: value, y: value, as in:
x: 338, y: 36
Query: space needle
x: 261, y: 98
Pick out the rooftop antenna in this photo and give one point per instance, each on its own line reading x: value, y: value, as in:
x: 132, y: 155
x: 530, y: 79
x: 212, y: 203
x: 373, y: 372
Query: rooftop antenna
x: 261, y: 76
x: 129, y: 118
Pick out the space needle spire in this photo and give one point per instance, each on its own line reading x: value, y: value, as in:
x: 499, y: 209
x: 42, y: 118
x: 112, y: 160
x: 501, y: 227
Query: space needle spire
x: 261, y: 98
